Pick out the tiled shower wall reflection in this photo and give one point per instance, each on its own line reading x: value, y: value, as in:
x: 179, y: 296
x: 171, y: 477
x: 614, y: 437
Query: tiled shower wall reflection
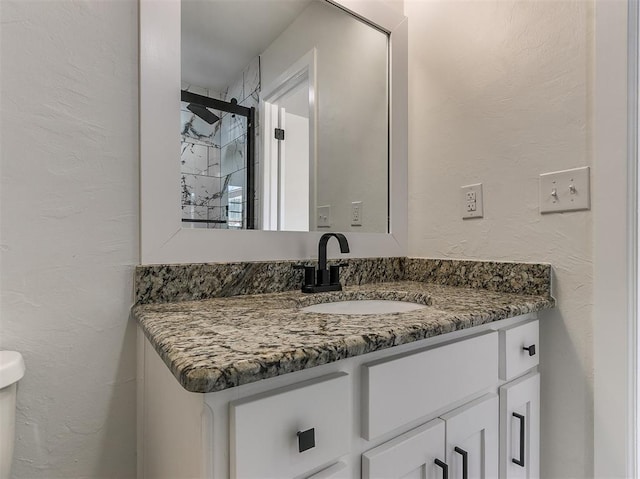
x: 214, y: 157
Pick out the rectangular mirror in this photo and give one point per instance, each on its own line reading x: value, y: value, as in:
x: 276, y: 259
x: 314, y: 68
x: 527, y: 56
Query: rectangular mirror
x: 216, y: 182
x: 284, y: 117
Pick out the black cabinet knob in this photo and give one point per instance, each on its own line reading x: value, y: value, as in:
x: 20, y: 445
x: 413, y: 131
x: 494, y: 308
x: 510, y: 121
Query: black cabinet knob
x: 531, y: 349
x: 306, y: 439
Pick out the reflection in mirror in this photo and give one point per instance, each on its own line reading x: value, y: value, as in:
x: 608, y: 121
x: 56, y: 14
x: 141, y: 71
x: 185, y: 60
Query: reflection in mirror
x: 216, y: 181
x: 284, y: 117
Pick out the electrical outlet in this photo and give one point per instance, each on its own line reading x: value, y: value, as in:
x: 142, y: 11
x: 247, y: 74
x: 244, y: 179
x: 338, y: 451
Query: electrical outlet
x: 324, y: 216
x: 356, y: 213
x: 472, y: 204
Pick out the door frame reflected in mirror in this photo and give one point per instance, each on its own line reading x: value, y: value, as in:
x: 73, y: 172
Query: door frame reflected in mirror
x: 275, y: 184
x: 162, y: 238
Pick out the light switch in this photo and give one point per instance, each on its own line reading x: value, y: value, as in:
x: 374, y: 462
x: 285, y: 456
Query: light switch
x: 324, y: 216
x: 566, y: 190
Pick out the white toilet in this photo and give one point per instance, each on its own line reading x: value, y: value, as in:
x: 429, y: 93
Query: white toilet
x: 11, y: 371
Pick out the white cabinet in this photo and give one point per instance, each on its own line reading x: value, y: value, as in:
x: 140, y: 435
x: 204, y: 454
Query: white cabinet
x: 401, y: 389
x: 418, y: 453
x: 472, y: 439
x: 520, y: 428
x: 415, y: 410
x: 460, y: 444
x: 289, y: 431
x: 519, y: 349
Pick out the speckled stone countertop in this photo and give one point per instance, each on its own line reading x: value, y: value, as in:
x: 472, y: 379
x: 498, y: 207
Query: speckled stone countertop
x: 215, y: 344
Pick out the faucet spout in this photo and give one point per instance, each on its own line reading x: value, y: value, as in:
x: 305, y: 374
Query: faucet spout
x: 322, y: 248
x: 326, y: 279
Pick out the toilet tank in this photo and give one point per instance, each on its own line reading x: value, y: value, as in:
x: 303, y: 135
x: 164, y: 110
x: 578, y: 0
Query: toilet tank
x: 11, y: 371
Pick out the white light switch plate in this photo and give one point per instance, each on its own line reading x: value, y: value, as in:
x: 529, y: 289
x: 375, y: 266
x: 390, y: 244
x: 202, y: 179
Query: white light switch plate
x: 324, y: 216
x: 566, y: 190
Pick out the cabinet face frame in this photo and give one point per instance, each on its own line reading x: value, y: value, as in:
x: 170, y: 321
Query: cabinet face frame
x: 336, y: 471
x: 162, y: 238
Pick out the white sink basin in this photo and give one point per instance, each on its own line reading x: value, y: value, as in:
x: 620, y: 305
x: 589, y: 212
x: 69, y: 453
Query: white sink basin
x: 374, y: 306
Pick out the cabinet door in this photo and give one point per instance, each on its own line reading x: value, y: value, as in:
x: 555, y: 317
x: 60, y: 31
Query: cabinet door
x: 472, y: 439
x: 410, y: 456
x: 520, y: 428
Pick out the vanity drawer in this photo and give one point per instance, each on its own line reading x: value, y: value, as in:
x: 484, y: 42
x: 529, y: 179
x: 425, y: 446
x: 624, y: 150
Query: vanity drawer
x: 402, y: 389
x: 266, y: 430
x: 519, y: 349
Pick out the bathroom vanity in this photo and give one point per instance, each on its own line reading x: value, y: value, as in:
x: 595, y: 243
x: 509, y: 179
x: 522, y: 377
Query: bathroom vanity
x: 250, y: 386
x: 235, y: 379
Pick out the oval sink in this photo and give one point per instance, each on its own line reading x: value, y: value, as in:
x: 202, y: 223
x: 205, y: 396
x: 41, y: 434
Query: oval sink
x: 365, y: 306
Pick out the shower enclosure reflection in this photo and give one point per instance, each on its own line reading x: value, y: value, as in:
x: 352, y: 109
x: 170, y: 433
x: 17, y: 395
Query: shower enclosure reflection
x: 217, y: 162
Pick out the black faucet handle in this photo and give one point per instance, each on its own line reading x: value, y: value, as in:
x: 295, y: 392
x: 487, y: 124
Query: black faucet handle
x: 309, y: 273
x: 334, y: 272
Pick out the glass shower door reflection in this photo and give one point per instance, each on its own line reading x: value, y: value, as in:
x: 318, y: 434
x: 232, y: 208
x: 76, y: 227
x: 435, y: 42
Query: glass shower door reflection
x: 216, y: 163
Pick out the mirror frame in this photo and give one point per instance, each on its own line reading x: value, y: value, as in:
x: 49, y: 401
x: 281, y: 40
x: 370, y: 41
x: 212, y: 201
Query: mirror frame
x: 162, y: 238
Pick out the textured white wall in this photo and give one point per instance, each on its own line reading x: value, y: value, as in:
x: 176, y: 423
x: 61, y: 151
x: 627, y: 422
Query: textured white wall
x: 69, y: 231
x: 500, y: 92
x: 397, y: 4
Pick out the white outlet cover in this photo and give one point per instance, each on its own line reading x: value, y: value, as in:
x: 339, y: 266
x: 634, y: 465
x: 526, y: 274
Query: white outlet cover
x: 324, y: 216
x: 571, y: 188
x: 467, y: 193
x: 356, y: 213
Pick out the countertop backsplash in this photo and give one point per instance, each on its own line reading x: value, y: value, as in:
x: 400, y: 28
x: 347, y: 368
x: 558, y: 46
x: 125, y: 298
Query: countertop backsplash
x: 188, y: 282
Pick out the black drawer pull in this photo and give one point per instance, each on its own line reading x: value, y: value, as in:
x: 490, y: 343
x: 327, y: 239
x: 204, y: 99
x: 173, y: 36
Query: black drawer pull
x: 520, y: 462
x: 531, y: 349
x: 306, y: 439
x: 465, y: 461
x: 445, y: 468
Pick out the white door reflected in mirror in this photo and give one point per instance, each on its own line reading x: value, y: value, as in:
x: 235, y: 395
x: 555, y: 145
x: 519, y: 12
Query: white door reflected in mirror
x: 288, y: 120
x: 287, y: 209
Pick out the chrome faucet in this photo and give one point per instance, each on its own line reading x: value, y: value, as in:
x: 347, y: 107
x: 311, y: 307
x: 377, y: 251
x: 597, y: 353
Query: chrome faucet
x: 325, y: 279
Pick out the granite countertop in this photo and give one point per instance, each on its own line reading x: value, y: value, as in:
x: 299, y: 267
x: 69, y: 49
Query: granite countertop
x: 214, y: 344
